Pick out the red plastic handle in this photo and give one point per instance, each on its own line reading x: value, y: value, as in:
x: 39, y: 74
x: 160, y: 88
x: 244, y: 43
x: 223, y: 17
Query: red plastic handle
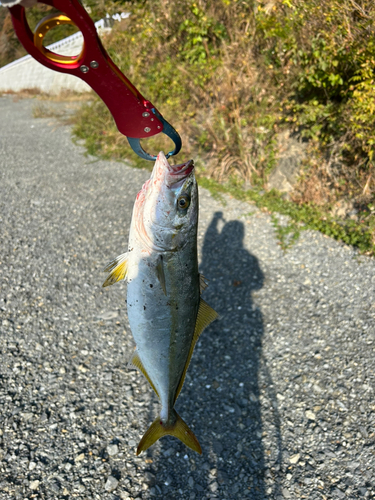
x: 131, y: 111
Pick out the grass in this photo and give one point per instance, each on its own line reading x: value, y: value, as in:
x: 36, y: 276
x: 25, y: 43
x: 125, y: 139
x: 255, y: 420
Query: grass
x: 61, y: 106
x: 286, y: 233
x: 64, y: 96
x: 41, y: 110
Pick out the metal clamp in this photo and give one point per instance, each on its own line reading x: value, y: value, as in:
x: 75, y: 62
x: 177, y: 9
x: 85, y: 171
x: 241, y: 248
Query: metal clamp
x: 168, y: 130
x: 134, y: 115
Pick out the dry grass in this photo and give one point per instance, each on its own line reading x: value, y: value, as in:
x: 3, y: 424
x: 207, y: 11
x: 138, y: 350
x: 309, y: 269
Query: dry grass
x: 63, y: 106
x: 63, y: 96
x: 41, y: 110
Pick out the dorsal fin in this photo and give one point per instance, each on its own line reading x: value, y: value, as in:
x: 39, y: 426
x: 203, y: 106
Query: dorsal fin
x: 117, y: 269
x: 136, y: 361
x: 205, y: 316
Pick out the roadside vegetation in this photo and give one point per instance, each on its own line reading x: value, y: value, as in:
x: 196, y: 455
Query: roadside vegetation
x: 234, y: 76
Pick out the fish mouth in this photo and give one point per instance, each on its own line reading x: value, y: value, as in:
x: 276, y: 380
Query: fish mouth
x: 178, y: 173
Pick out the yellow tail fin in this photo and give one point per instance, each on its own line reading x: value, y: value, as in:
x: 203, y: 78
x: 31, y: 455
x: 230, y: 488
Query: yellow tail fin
x: 178, y: 429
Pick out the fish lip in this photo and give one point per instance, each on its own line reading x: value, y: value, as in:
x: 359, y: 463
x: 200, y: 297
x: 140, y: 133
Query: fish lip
x: 182, y: 167
x: 180, y: 172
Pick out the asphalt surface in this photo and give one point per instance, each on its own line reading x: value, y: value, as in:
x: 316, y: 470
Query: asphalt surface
x: 280, y: 391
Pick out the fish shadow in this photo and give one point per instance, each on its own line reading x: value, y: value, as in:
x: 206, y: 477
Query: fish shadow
x: 221, y: 399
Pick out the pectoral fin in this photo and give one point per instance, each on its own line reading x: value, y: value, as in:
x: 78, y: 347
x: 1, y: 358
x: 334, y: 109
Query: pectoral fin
x: 205, y: 316
x: 136, y: 361
x: 117, y: 270
x: 160, y: 274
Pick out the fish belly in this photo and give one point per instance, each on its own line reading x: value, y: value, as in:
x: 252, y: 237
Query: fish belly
x: 163, y: 324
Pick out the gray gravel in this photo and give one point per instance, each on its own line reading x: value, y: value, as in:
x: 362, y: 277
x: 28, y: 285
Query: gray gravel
x: 280, y: 392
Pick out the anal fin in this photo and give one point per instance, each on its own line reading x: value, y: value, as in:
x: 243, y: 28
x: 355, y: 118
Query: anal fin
x: 205, y: 316
x: 136, y: 361
x: 202, y: 283
x: 117, y: 269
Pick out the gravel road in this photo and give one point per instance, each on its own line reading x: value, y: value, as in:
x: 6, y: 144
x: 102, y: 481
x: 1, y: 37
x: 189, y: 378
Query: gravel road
x: 280, y: 391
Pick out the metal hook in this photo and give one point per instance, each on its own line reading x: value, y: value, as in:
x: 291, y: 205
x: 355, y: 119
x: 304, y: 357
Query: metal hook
x: 168, y: 130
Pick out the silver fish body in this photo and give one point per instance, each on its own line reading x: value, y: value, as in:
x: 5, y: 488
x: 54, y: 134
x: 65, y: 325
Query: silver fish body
x: 163, y: 324
x: 166, y: 313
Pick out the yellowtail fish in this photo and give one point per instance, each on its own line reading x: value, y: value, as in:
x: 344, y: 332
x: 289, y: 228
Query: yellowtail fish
x: 166, y: 313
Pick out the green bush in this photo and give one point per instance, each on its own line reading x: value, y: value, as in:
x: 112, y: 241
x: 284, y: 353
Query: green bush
x: 324, y: 55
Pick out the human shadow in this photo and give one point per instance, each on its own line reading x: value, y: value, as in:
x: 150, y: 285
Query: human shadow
x: 236, y: 347
x: 220, y: 399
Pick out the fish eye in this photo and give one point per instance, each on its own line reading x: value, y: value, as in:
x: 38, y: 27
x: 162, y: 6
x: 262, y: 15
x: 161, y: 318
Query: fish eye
x: 183, y: 202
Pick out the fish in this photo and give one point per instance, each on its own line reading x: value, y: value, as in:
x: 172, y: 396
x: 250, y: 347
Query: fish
x: 165, y: 309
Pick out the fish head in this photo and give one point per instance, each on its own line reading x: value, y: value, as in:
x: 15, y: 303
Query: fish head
x: 167, y: 212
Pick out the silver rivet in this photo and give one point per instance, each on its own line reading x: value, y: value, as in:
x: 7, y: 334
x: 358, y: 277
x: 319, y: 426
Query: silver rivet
x: 152, y: 119
x: 147, y: 129
x: 159, y: 126
x: 84, y: 68
x: 145, y: 114
x: 94, y: 64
